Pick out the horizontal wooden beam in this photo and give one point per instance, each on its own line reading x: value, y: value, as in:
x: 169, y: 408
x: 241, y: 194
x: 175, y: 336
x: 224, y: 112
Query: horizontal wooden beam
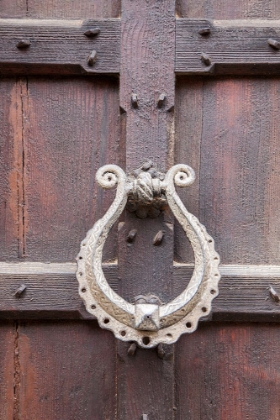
x: 203, y: 47
x: 227, y: 47
x: 52, y: 291
x: 30, y: 46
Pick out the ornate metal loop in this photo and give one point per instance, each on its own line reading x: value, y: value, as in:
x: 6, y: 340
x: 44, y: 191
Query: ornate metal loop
x: 148, y: 323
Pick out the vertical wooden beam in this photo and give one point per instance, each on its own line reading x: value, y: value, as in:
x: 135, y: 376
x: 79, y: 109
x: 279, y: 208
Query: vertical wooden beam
x: 145, y: 382
x: 147, y: 70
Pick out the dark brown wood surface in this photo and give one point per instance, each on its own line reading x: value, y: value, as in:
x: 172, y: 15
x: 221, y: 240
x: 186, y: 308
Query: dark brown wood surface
x: 8, y: 337
x: 228, y: 372
x: 67, y: 371
x: 63, y: 9
x: 227, y: 130
x: 55, y: 133
x: 217, y: 9
x: 11, y: 199
x: 60, y: 9
x: 71, y: 130
x: 231, y: 47
x: 148, y: 34
x: 51, y: 292
x: 59, y: 46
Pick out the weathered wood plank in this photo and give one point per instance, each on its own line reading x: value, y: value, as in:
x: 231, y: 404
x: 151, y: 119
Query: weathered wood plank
x: 59, y: 46
x: 8, y: 337
x: 227, y: 130
x: 223, y: 9
x: 67, y: 371
x: 52, y: 291
x: 63, y: 9
x: 147, y: 71
x: 145, y: 384
x: 228, y: 372
x: 71, y: 129
x: 11, y: 169
x: 232, y: 47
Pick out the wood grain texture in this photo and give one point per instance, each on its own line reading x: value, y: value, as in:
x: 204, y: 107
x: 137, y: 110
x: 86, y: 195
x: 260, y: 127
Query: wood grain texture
x: 13, y: 8
x: 7, y: 354
x: 52, y: 293
x: 71, y: 129
x: 228, y: 372
x: 83, y: 9
x: 147, y: 70
x: 58, y: 46
x: 235, y: 138
x: 223, y: 9
x: 67, y: 372
x: 11, y: 167
x: 145, y: 384
x: 233, y: 47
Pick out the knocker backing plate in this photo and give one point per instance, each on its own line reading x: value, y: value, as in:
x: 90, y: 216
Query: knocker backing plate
x: 147, y: 324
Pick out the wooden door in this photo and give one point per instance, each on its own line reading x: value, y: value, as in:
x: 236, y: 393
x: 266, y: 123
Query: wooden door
x: 88, y: 83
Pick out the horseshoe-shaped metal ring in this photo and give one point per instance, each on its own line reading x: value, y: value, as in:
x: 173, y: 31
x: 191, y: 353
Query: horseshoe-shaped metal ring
x: 148, y: 324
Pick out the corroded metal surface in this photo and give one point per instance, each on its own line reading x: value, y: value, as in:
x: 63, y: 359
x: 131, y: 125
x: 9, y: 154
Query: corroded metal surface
x: 148, y: 324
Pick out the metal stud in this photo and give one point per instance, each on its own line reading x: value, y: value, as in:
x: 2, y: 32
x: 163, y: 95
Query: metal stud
x: 274, y: 295
x: 90, y: 33
x: 23, y: 43
x: 161, y: 100
x: 92, y: 58
x: 158, y: 238
x: 20, y: 290
x: 132, y: 349
x: 131, y: 236
x: 134, y: 100
x: 205, y: 59
x: 204, y: 31
x: 160, y: 351
x: 273, y: 43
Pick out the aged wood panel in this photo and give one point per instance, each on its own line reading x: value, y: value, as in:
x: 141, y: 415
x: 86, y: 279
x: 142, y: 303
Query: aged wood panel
x: 228, y: 372
x: 11, y: 189
x: 8, y: 339
x: 225, y: 9
x: 13, y: 8
x: 67, y: 372
x: 51, y: 291
x: 235, y: 139
x: 145, y: 384
x: 232, y: 47
x: 59, y: 46
x: 82, y: 9
x: 148, y: 35
x: 71, y: 129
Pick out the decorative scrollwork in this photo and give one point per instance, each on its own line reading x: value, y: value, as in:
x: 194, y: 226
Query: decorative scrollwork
x: 148, y: 323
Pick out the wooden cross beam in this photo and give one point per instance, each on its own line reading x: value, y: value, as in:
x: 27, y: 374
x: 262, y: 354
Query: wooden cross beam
x: 241, y: 47
x: 147, y: 47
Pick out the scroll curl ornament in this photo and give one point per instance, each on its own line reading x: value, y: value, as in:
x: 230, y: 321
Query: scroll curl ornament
x: 149, y: 324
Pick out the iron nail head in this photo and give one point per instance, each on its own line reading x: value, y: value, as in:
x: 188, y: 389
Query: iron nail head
x: 92, y: 58
x: 23, y: 43
x: 274, y: 44
x: 90, y: 33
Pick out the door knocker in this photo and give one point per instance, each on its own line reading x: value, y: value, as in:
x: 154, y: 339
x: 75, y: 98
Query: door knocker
x: 148, y: 324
